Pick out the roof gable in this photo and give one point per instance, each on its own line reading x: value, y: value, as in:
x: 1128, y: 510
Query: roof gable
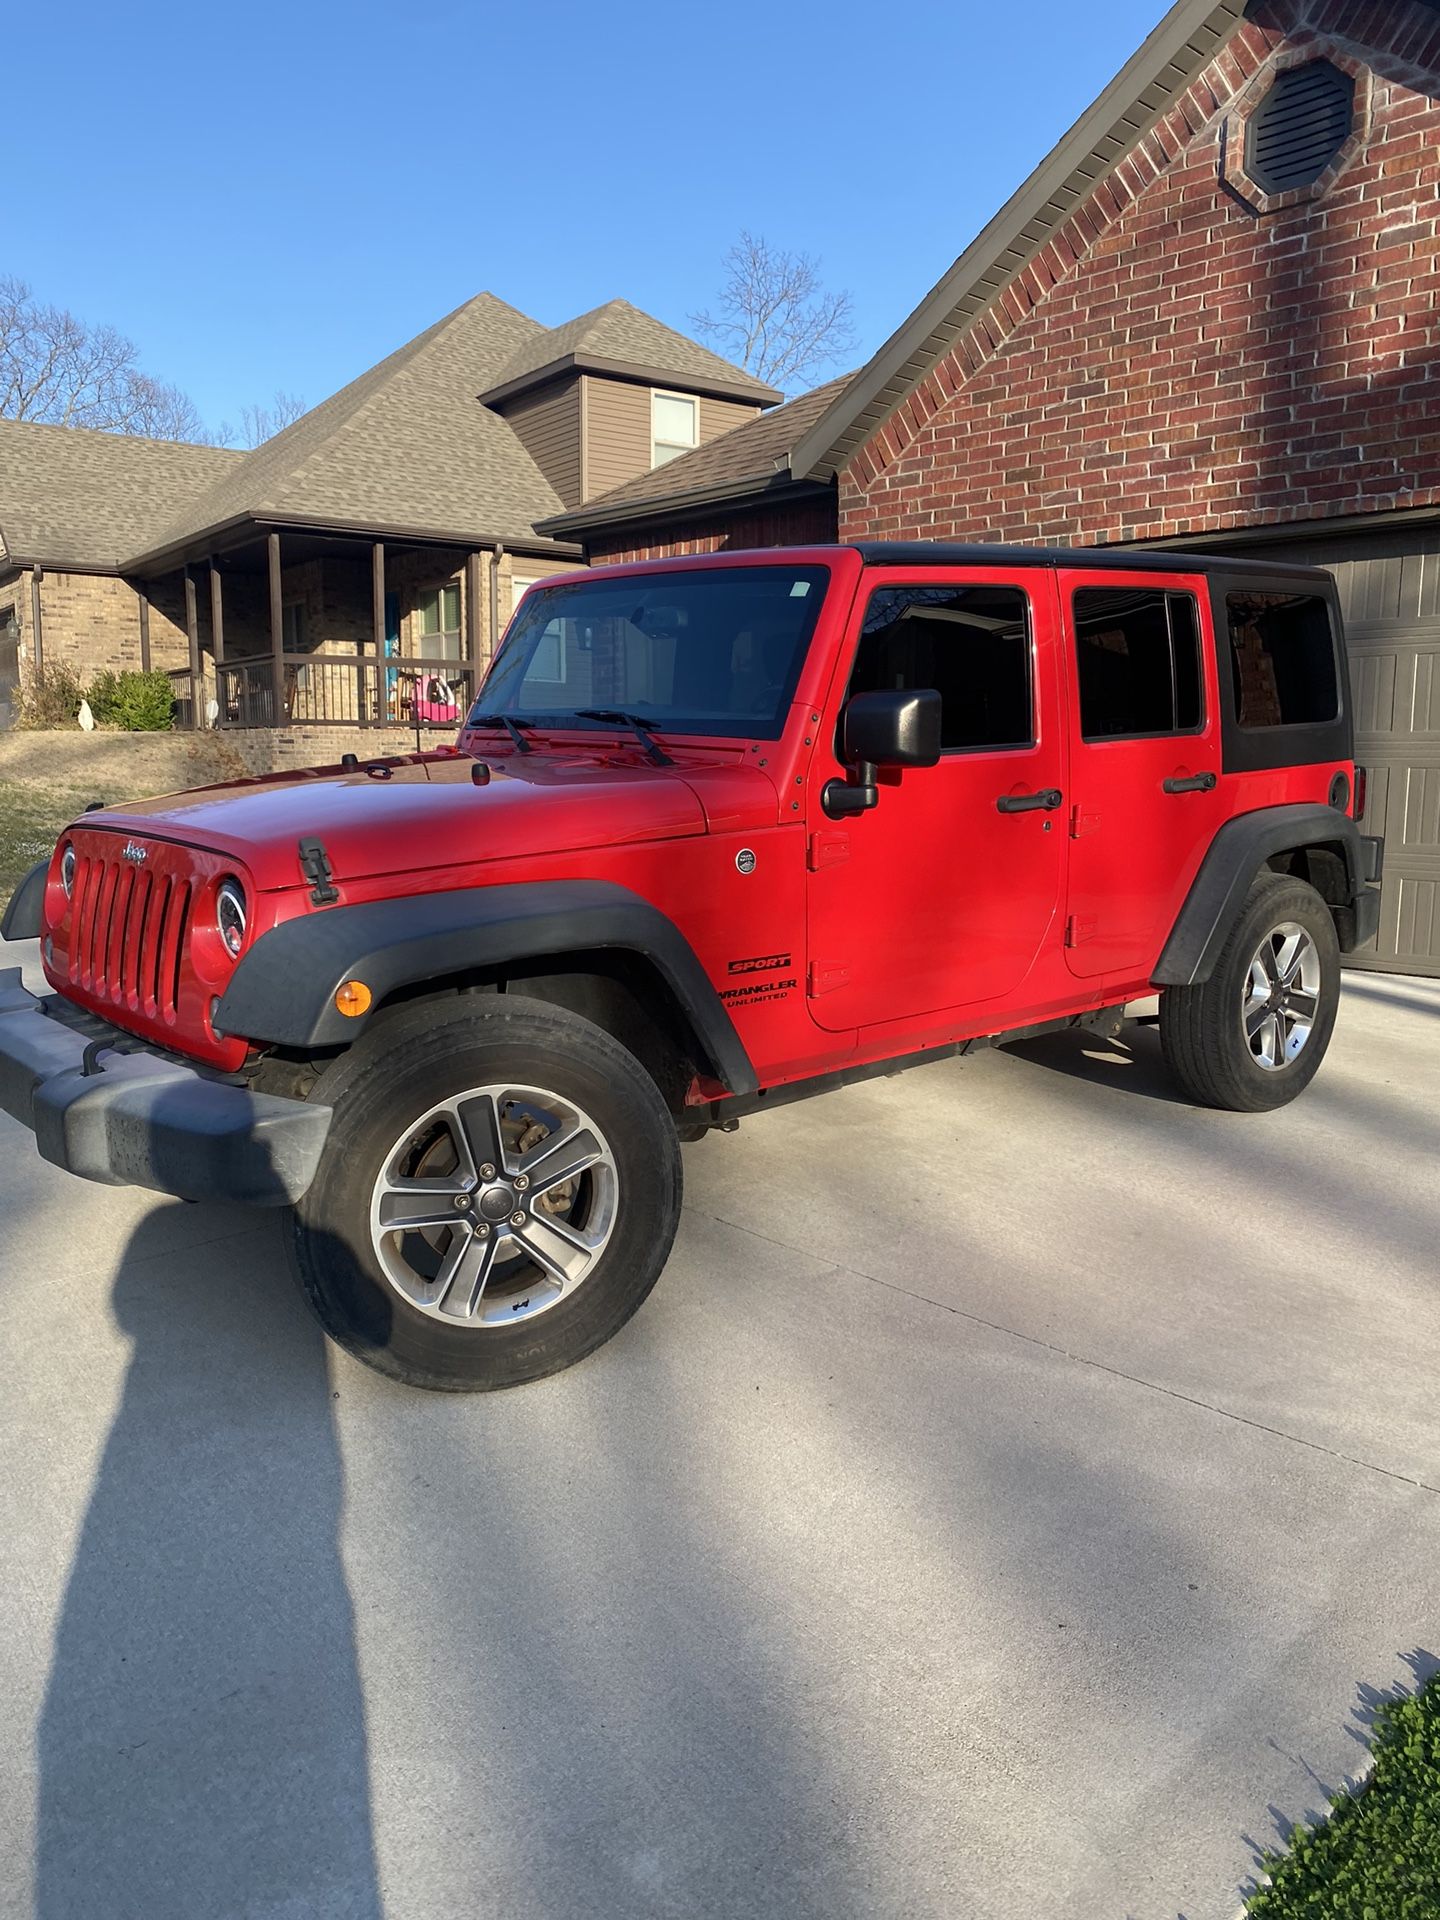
x: 619, y: 338
x: 1159, y: 72
x: 403, y: 447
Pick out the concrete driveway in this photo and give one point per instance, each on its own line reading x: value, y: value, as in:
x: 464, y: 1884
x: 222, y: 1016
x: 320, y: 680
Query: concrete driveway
x: 1010, y: 1503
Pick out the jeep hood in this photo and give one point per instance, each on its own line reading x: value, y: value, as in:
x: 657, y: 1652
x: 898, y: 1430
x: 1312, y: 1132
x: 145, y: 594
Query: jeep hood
x: 430, y: 814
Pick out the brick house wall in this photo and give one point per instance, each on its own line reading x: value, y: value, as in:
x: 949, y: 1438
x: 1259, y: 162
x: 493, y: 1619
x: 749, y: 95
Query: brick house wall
x: 90, y: 621
x: 1170, y: 362
x: 806, y: 523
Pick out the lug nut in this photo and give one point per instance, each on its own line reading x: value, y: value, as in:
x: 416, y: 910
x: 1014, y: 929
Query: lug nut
x: 462, y: 1201
x: 487, y: 1173
x: 522, y: 1181
x: 482, y: 1228
x: 517, y: 1219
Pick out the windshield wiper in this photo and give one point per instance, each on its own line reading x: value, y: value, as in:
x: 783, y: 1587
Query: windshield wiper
x: 512, y: 727
x: 618, y: 717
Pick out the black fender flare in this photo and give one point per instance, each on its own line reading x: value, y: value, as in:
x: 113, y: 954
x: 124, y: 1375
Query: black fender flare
x: 25, y: 916
x: 283, y: 991
x: 1237, y: 853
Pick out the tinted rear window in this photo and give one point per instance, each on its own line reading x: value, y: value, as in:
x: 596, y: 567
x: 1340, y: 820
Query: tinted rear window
x: 1282, y: 658
x: 1138, y: 655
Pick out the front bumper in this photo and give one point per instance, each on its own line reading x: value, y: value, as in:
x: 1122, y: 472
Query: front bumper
x: 139, y: 1119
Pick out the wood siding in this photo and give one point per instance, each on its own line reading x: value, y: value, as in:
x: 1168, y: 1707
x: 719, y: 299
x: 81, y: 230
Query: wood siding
x: 617, y: 429
x: 547, y: 424
x: 719, y: 416
x: 617, y: 433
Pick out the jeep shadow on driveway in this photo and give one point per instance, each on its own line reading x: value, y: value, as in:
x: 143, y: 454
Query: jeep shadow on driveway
x: 718, y: 833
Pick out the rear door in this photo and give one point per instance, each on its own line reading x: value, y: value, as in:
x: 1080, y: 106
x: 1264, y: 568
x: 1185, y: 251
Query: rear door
x: 1144, y: 800
x: 941, y: 896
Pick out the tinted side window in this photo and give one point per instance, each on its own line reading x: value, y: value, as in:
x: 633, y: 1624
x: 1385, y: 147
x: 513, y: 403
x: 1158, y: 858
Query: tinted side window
x: 1138, y: 652
x: 970, y: 643
x: 1282, y: 654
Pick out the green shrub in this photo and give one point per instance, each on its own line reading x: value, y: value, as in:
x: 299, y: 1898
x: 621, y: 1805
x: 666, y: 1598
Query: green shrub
x: 50, y: 697
x: 143, y: 702
x: 103, y: 693
x: 1377, y: 1856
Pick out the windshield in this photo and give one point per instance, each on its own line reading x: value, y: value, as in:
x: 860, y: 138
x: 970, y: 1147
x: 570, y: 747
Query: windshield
x: 715, y: 651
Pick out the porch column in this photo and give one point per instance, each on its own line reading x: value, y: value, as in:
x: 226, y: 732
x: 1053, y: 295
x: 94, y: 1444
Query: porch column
x: 377, y: 625
x: 277, y: 634
x: 144, y: 600
x: 217, y: 616
x: 37, y: 645
x: 474, y: 643
x: 192, y: 629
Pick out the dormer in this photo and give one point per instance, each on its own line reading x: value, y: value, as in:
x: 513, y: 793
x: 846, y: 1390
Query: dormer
x: 614, y: 394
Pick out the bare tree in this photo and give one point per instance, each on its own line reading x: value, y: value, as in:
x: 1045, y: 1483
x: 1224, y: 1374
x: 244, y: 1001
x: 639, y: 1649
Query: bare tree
x: 775, y: 318
x: 258, y: 424
x: 62, y: 372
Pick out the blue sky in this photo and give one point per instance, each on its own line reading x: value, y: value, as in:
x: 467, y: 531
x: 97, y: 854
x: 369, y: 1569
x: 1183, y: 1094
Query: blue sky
x: 278, y: 195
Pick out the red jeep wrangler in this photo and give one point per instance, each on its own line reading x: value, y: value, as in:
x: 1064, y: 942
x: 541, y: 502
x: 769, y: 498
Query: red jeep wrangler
x: 718, y: 832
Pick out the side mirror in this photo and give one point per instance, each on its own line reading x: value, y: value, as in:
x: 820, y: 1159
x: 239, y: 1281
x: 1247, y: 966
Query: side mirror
x: 887, y: 728
x: 893, y: 729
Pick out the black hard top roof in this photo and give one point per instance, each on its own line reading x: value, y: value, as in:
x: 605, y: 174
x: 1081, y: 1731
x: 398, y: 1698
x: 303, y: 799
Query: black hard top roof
x: 949, y: 553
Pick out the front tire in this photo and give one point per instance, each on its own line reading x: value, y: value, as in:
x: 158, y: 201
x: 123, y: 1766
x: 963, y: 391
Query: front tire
x: 498, y: 1194
x: 1253, y: 1035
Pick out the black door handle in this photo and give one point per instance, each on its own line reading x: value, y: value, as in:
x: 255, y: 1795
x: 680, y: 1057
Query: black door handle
x: 1197, y: 783
x: 1047, y: 798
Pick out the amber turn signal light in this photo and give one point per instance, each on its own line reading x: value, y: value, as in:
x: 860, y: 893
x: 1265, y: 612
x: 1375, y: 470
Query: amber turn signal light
x: 353, y: 998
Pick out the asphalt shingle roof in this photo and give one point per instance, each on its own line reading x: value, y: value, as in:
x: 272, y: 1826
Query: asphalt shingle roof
x: 746, y: 452
x: 405, y: 447
x: 72, y: 497
x: 619, y: 332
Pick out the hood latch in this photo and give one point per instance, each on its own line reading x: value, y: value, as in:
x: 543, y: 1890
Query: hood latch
x: 315, y: 865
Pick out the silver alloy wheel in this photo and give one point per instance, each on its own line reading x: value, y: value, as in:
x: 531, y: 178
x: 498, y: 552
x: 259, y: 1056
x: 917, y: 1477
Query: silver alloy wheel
x: 1281, y: 996
x: 494, y: 1206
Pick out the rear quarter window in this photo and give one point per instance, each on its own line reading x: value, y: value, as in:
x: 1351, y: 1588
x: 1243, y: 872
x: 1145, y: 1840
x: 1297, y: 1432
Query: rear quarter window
x: 1282, y: 659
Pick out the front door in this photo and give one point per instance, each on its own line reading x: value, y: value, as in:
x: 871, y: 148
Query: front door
x: 943, y: 894
x: 1144, y: 800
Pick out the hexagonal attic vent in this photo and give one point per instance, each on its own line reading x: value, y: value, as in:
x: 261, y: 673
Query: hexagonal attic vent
x: 1299, y: 127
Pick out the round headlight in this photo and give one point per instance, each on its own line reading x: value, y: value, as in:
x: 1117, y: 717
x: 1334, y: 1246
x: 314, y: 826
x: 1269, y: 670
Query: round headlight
x: 67, y: 871
x: 230, y: 916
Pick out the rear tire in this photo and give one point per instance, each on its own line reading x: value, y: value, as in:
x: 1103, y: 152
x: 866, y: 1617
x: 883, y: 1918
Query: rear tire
x: 1253, y: 1035
x: 498, y: 1194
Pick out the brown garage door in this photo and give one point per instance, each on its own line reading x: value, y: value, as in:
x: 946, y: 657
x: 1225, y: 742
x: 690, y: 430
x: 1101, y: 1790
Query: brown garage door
x: 1390, y: 590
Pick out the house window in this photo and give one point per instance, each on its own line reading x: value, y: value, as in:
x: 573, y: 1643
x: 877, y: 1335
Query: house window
x: 1299, y: 127
x: 972, y: 644
x: 1137, y: 650
x: 440, y: 622
x: 674, y: 426
x: 1282, y: 657
x: 292, y: 626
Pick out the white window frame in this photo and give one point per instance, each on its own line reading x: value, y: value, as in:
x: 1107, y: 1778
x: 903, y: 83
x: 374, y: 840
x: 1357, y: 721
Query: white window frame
x: 677, y: 447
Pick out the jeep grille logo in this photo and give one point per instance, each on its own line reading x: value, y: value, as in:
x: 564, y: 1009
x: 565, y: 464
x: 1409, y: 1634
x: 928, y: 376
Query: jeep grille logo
x: 133, y: 853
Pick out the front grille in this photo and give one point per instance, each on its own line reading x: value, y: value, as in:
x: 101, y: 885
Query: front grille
x: 127, y: 941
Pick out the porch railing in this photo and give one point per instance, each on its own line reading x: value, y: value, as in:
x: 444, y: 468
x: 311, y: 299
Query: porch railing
x: 182, y: 692
x: 342, y: 690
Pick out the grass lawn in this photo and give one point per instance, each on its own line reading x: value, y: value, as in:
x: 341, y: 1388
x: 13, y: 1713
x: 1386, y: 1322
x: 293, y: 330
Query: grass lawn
x: 1377, y: 1857
x: 31, y: 817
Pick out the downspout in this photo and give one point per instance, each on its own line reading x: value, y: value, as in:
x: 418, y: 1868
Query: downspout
x: 497, y: 554
x: 37, y: 645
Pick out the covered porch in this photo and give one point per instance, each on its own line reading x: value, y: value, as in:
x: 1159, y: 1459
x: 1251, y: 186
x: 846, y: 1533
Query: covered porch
x: 291, y: 626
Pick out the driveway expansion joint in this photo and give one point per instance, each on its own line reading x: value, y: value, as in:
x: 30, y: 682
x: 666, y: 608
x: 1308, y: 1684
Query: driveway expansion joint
x: 1084, y: 1360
